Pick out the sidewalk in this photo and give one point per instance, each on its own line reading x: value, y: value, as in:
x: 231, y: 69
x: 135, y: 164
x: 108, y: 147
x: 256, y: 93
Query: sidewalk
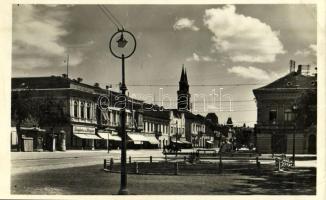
x: 297, y: 156
x: 77, y: 154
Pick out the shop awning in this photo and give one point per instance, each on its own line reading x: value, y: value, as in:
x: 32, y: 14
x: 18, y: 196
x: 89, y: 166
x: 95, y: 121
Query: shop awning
x: 152, y: 139
x: 210, y: 142
x: 137, y: 137
x: 109, y: 136
x: 87, y: 136
x: 32, y: 129
x: 186, y: 142
x: 179, y: 142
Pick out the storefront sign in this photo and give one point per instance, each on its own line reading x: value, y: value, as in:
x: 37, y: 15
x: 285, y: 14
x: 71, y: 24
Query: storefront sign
x: 83, y: 130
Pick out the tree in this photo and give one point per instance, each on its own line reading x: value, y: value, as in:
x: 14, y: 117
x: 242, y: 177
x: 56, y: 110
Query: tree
x: 31, y: 109
x: 22, y: 108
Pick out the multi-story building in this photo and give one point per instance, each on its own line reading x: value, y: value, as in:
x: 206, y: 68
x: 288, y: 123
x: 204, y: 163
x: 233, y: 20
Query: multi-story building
x: 196, y: 130
x: 287, y: 113
x: 76, y: 115
x: 177, y: 126
x: 157, y: 122
x: 85, y: 124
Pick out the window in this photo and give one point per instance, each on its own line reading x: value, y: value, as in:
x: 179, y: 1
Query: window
x: 171, y: 129
x: 88, y: 111
x: 75, y: 109
x: 113, y: 117
x: 272, y: 116
x: 288, y: 115
x: 82, y: 110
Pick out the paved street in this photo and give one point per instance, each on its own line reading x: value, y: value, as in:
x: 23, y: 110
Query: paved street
x: 37, y: 161
x: 43, y: 172
x: 24, y: 162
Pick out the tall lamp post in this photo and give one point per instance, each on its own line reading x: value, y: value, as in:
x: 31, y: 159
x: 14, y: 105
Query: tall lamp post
x: 295, y: 109
x: 176, y: 139
x: 118, y: 50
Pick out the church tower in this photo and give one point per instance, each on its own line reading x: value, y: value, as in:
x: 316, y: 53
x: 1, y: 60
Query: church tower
x: 183, y: 92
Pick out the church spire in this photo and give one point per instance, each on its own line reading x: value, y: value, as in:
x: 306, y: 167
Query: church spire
x: 182, y: 78
x: 183, y: 92
x: 186, y: 78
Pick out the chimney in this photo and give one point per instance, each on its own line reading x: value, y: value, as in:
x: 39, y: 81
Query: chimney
x: 299, y: 69
x: 79, y: 80
x: 64, y: 76
x: 292, y: 66
x: 96, y: 84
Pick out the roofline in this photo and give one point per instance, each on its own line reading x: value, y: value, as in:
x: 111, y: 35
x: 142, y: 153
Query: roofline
x: 74, y: 82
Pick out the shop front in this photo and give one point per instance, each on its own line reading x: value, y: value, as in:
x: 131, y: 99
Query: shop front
x: 136, y: 140
x: 110, y: 139
x: 83, y: 137
x: 152, y: 142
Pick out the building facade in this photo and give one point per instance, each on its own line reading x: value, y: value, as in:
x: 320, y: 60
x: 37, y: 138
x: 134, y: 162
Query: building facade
x: 157, y: 123
x: 86, y: 125
x: 287, y: 114
x: 76, y: 115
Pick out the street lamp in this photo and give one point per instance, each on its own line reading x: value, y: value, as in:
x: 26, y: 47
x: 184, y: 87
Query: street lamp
x: 119, y: 52
x: 176, y: 139
x: 294, y: 108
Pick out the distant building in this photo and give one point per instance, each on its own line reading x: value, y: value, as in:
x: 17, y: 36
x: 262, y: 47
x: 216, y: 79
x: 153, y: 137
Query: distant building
x: 196, y: 130
x: 229, y: 122
x: 183, y: 92
x: 285, y: 107
x: 158, y: 123
x: 194, y: 124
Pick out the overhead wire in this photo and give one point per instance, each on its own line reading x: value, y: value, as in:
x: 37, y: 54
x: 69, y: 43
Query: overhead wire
x: 109, y: 17
x: 194, y: 85
x: 105, y: 8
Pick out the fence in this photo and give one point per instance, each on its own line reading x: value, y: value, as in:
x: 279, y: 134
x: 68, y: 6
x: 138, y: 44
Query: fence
x: 175, y: 165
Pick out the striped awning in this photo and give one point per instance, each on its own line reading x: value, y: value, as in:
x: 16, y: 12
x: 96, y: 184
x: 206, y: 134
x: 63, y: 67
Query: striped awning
x: 109, y: 136
x: 152, y: 139
x: 137, y: 137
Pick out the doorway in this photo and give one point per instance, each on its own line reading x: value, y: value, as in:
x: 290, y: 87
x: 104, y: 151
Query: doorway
x: 312, y: 144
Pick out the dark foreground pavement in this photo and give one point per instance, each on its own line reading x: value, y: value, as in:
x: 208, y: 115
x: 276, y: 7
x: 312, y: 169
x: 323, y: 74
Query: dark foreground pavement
x: 88, y: 180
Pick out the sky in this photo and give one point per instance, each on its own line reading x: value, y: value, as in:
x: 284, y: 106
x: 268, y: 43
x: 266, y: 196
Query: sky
x: 227, y: 50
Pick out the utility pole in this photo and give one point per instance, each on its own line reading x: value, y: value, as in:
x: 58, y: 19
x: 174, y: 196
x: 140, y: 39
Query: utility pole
x: 67, y: 67
x: 121, y: 44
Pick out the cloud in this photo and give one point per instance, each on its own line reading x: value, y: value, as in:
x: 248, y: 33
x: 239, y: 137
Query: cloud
x: 149, y: 55
x: 195, y: 57
x: 242, y: 38
x: 185, y: 23
x: 252, y: 73
x: 304, y: 52
x: 311, y: 50
x: 37, y: 37
x: 313, y: 47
